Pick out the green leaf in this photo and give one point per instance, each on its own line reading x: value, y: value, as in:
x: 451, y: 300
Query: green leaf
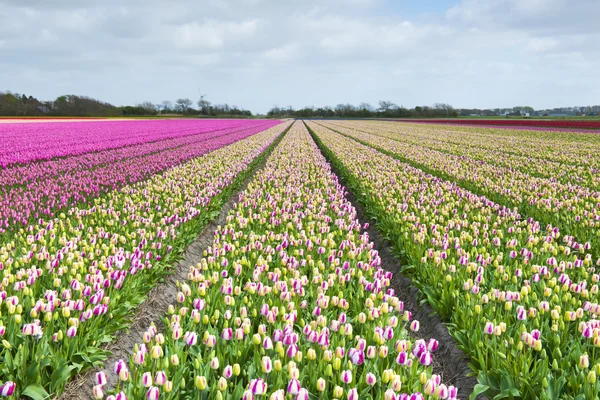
x: 36, y: 392
x: 60, y: 376
x: 479, y: 389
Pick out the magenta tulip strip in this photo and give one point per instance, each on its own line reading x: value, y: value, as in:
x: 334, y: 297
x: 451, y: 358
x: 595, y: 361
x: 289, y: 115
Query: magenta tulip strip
x: 289, y: 302
x: 39, y: 190
x: 23, y: 143
x: 69, y: 282
x: 521, y: 297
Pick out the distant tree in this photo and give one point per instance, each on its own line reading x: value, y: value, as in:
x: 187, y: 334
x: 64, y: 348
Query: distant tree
x: 386, y: 106
x: 148, y: 107
x: 167, y: 106
x: 204, y: 106
x: 366, y: 106
x: 182, y: 105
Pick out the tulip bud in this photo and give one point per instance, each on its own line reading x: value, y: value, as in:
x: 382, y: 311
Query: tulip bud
x: 338, y: 392
x: 321, y: 384
x: 200, y: 382
x: 591, y: 377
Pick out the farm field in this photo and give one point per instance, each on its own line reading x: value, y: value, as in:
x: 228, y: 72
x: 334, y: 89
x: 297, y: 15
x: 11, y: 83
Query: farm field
x: 249, y: 259
x: 567, y: 123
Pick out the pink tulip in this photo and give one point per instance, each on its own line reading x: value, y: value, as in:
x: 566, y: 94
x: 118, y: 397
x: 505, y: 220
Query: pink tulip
x: 346, y: 376
x: 293, y: 387
x: 101, y: 378
x: 302, y: 395
x: 153, y: 393
x: 147, y: 379
x: 7, y: 389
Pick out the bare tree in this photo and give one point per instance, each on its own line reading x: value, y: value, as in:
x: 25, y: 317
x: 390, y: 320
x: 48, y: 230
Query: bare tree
x: 167, y: 105
x: 387, y: 106
x: 366, y: 106
x: 148, y: 106
x: 203, y: 105
x: 182, y: 105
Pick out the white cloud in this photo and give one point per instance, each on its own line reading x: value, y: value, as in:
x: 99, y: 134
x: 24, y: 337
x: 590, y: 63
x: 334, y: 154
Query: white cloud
x: 256, y: 53
x: 213, y: 34
x: 542, y: 45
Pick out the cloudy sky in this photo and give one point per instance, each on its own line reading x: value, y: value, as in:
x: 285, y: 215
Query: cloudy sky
x: 261, y: 53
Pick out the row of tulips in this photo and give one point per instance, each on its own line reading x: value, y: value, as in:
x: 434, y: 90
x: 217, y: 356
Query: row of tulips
x: 574, y: 208
x: 19, y: 174
x: 45, y: 188
x: 570, y: 148
x: 23, y: 143
x: 472, y: 148
x: 519, y: 298
x: 70, y: 282
x: 524, y: 123
x: 289, y: 302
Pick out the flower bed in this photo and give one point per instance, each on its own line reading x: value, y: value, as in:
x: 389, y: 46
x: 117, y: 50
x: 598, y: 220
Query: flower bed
x: 71, y: 282
x: 518, y: 299
x: 288, y: 302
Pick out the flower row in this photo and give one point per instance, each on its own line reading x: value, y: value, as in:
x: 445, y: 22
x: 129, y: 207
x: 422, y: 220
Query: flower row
x: 78, y: 179
x: 572, y: 148
x: 22, y: 143
x: 582, y: 169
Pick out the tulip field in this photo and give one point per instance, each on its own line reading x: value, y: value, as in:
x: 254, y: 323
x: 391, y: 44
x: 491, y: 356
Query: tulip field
x: 498, y: 229
x: 71, y: 279
x: 503, y: 251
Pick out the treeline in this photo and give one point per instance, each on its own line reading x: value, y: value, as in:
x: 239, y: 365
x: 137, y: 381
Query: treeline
x: 184, y: 107
x: 15, y: 104
x: 386, y: 109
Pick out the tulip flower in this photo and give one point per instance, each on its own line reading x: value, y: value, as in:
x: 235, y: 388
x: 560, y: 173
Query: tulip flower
x: 7, y: 389
x: 147, y: 379
x: 321, y: 385
x: 346, y: 376
x: 227, y: 371
x: 101, y: 378
x: 152, y: 393
x: 160, y: 378
x: 293, y: 387
x: 371, y: 379
x: 200, y: 382
x: 98, y: 392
